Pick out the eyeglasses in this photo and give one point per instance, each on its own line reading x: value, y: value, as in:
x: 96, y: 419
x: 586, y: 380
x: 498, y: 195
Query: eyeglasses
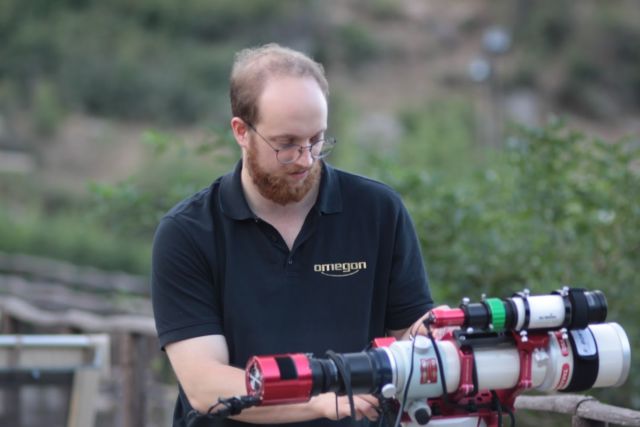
x: 292, y: 152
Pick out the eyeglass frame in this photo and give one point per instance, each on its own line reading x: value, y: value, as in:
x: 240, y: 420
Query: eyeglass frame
x: 301, y: 148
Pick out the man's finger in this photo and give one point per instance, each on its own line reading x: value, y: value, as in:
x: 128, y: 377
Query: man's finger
x: 369, y: 398
x: 364, y: 408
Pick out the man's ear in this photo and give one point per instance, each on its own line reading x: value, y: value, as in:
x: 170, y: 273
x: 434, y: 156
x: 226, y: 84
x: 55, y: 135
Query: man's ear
x: 240, y: 131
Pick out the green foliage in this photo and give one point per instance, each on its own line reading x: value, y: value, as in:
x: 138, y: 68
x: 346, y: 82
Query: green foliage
x: 356, y: 45
x: 439, y: 139
x: 555, y: 208
x: 435, y: 139
x: 147, y: 75
x: 383, y: 10
x: 48, y: 111
x: 203, y: 19
x: 177, y: 169
x: 593, y: 52
x: 134, y: 60
x: 546, y: 28
x: 559, y: 209
x: 114, y: 229
x: 71, y: 236
x: 584, y: 195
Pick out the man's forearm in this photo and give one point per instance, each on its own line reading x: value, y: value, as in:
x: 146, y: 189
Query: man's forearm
x: 281, y: 413
x: 226, y: 381
x: 325, y: 405
x: 201, y: 365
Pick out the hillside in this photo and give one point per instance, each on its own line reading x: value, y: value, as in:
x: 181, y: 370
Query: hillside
x: 382, y: 58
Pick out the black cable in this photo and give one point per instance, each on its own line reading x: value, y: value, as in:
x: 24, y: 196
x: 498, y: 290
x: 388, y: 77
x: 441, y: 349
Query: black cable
x: 445, y: 392
x: 384, y: 406
x: 406, y: 386
x: 232, y: 406
x: 439, y: 358
x: 214, y: 406
x: 428, y: 323
x: 381, y: 419
x: 512, y: 417
x: 498, y: 405
x: 345, y: 372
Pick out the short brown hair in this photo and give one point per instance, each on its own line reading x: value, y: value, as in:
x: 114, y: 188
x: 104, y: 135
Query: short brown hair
x: 252, y: 68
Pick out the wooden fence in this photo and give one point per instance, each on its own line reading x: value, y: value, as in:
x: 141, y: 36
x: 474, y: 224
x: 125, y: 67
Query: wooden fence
x: 585, y: 411
x: 51, y: 379
x: 44, y: 296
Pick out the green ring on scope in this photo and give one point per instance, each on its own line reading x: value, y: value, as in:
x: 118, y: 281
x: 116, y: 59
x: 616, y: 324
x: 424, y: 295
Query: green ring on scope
x: 498, y: 313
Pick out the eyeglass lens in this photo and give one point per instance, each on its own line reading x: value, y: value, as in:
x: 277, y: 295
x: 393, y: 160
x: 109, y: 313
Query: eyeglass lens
x: 318, y: 150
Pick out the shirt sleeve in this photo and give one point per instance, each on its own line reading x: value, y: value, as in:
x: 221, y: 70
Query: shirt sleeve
x: 186, y: 300
x: 409, y: 294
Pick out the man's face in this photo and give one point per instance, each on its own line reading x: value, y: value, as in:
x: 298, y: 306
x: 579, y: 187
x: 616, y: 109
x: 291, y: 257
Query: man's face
x: 278, y: 186
x: 292, y: 111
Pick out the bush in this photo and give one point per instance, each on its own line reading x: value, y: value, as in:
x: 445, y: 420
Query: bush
x: 357, y: 46
x: 555, y: 208
x: 559, y: 209
x: 73, y: 237
x: 177, y: 169
x: 48, y: 111
x: 138, y: 60
x: 113, y: 229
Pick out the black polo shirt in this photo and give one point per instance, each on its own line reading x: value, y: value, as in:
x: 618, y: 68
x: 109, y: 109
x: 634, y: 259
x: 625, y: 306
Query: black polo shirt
x: 355, y: 271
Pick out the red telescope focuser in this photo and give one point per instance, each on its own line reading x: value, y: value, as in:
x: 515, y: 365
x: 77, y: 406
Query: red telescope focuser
x: 291, y: 378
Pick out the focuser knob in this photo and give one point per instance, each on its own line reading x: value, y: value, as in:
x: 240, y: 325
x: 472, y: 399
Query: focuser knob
x: 388, y: 391
x: 420, y: 412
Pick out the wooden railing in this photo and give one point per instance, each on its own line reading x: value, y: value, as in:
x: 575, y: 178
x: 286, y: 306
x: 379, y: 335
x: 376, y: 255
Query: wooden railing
x: 56, y: 285
x: 43, y: 296
x: 51, y: 363
x: 585, y: 411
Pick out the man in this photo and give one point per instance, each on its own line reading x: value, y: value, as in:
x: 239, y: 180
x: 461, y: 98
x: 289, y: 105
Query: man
x: 284, y: 254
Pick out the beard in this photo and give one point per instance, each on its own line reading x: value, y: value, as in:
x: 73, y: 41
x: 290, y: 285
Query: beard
x: 276, y: 187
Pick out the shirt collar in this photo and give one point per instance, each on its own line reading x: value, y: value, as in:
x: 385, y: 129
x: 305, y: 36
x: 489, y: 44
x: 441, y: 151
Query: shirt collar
x: 232, y: 200
x: 234, y: 204
x: 330, y: 196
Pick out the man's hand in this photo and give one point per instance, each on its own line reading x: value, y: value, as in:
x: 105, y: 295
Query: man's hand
x: 418, y: 327
x: 366, y: 406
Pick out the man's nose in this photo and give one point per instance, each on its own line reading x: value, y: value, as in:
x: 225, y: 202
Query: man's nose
x: 305, y: 158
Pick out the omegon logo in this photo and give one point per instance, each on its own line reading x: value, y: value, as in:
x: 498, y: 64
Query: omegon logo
x: 340, y: 269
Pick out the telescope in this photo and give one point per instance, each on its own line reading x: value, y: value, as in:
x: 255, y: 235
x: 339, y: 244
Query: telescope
x: 471, y: 375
